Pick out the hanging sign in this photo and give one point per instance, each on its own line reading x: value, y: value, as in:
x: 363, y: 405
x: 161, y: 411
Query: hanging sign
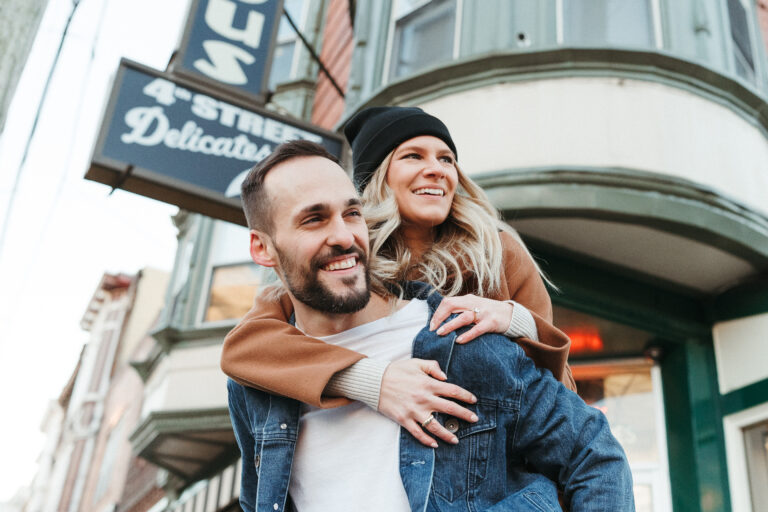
x: 229, y: 42
x: 166, y: 138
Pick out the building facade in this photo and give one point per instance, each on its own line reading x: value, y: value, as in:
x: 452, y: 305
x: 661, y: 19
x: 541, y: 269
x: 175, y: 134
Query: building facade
x: 84, y: 462
x: 627, y: 141
x: 19, y: 20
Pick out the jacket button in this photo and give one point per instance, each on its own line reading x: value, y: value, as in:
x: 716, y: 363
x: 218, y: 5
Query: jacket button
x: 257, y: 460
x: 275, y: 506
x: 452, y: 425
x: 283, y: 426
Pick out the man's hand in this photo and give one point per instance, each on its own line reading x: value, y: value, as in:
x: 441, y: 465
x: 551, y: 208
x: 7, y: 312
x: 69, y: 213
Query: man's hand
x: 411, y: 390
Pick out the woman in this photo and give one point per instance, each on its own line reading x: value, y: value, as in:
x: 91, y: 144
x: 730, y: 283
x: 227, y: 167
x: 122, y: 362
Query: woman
x: 427, y: 221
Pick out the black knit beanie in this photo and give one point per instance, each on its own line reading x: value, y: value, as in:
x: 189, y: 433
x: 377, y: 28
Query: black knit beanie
x: 374, y: 132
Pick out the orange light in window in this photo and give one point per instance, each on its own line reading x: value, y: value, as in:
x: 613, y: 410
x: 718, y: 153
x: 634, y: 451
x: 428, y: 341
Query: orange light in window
x: 585, y: 339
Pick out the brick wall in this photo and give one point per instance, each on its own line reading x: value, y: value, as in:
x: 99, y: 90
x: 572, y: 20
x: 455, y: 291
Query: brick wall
x: 338, y: 43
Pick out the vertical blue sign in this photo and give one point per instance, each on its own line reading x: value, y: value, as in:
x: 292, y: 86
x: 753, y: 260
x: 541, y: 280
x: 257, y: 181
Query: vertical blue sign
x: 230, y: 42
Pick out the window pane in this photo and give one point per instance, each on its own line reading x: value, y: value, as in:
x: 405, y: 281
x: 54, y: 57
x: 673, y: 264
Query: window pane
x: 756, y: 447
x: 285, y: 46
x: 593, y: 337
x: 424, y: 37
x: 282, y: 58
x: 742, y: 47
x: 643, y: 498
x: 627, y: 401
x: 233, y: 288
x: 295, y: 8
x: 608, y: 22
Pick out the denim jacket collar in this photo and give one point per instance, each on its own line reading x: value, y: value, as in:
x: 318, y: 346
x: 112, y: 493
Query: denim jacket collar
x: 417, y: 462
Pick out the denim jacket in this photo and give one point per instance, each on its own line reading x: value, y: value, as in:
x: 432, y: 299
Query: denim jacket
x: 531, y: 433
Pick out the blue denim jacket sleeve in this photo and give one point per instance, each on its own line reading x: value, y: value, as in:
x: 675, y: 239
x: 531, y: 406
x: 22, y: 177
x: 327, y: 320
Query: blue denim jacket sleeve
x: 570, y: 444
x: 245, y: 441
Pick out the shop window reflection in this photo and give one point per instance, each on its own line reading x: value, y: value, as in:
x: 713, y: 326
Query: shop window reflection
x: 613, y: 375
x: 625, y: 394
x: 593, y: 337
x: 626, y: 399
x: 233, y: 288
x: 424, y: 35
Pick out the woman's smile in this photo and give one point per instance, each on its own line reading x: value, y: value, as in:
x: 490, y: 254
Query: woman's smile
x: 423, y: 178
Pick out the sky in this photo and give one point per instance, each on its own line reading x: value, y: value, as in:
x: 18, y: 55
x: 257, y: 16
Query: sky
x: 65, y: 232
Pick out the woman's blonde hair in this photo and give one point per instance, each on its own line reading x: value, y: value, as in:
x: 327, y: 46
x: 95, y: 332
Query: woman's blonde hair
x: 466, y: 245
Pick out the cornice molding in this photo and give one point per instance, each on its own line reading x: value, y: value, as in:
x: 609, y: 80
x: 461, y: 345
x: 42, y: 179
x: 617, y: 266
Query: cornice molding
x: 481, y: 70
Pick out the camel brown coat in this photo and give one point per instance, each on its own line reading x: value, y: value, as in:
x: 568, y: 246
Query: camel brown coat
x: 264, y: 351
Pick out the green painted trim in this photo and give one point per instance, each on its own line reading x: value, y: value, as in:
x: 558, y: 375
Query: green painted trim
x: 597, y: 288
x: 745, y: 300
x: 169, y: 337
x: 683, y: 479
x: 145, y: 367
x: 656, y: 66
x: 695, y: 438
x: 744, y: 398
x: 671, y: 205
x: 176, y: 422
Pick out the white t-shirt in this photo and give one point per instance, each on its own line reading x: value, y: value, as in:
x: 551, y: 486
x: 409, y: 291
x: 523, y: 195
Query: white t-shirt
x: 347, y: 458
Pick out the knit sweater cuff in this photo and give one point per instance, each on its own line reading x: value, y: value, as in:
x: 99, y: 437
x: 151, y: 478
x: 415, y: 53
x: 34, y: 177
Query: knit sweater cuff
x: 522, y: 324
x: 361, y: 381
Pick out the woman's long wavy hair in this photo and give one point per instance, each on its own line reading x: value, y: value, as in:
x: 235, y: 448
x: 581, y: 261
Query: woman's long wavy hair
x: 466, y: 249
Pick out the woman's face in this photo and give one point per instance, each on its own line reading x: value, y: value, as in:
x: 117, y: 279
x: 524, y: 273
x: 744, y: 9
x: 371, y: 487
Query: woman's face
x: 423, y: 177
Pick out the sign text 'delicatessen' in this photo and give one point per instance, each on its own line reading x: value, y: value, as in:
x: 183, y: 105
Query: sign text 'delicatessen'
x: 185, y: 146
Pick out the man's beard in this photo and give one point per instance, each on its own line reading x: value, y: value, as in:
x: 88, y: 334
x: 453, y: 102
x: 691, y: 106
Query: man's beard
x: 306, y: 287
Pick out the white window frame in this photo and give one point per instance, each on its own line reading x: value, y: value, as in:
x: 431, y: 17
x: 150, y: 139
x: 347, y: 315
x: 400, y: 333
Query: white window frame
x: 655, y: 475
x: 301, y: 23
x: 386, y: 78
x: 202, y: 307
x: 736, y: 454
x: 731, y: 45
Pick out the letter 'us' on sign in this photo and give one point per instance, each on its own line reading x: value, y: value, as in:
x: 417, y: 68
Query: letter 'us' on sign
x: 171, y: 139
x: 230, y: 42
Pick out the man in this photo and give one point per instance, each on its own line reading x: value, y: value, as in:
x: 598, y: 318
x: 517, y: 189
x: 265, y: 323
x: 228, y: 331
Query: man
x: 527, y: 432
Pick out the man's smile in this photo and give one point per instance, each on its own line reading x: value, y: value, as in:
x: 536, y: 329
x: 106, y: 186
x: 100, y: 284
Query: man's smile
x: 344, y: 263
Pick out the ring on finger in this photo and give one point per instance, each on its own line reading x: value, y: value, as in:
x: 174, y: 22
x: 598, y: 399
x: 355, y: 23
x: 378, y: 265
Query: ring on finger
x: 476, y: 312
x: 426, y: 422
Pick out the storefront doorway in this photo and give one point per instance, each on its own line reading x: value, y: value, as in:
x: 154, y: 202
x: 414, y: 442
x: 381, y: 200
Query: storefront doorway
x: 614, y: 373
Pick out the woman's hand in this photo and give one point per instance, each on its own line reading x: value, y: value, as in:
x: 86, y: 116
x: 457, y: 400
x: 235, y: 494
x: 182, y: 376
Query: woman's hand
x: 411, y: 390
x: 488, y: 315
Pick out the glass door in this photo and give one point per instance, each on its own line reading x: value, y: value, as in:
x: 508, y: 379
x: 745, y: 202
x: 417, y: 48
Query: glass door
x: 614, y: 376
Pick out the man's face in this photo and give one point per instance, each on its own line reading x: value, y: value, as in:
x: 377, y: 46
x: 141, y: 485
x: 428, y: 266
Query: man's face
x: 320, y: 238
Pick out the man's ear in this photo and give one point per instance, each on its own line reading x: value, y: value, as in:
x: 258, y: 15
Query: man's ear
x: 261, y: 249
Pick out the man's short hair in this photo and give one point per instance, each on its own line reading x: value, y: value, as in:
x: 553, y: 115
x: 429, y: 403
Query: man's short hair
x: 255, y: 200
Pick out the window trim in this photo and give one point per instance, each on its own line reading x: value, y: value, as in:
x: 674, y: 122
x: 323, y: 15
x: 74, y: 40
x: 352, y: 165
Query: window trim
x: 387, y: 77
x: 657, y: 35
x: 732, y: 47
x: 294, y: 38
x: 203, y: 289
x: 736, y: 455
